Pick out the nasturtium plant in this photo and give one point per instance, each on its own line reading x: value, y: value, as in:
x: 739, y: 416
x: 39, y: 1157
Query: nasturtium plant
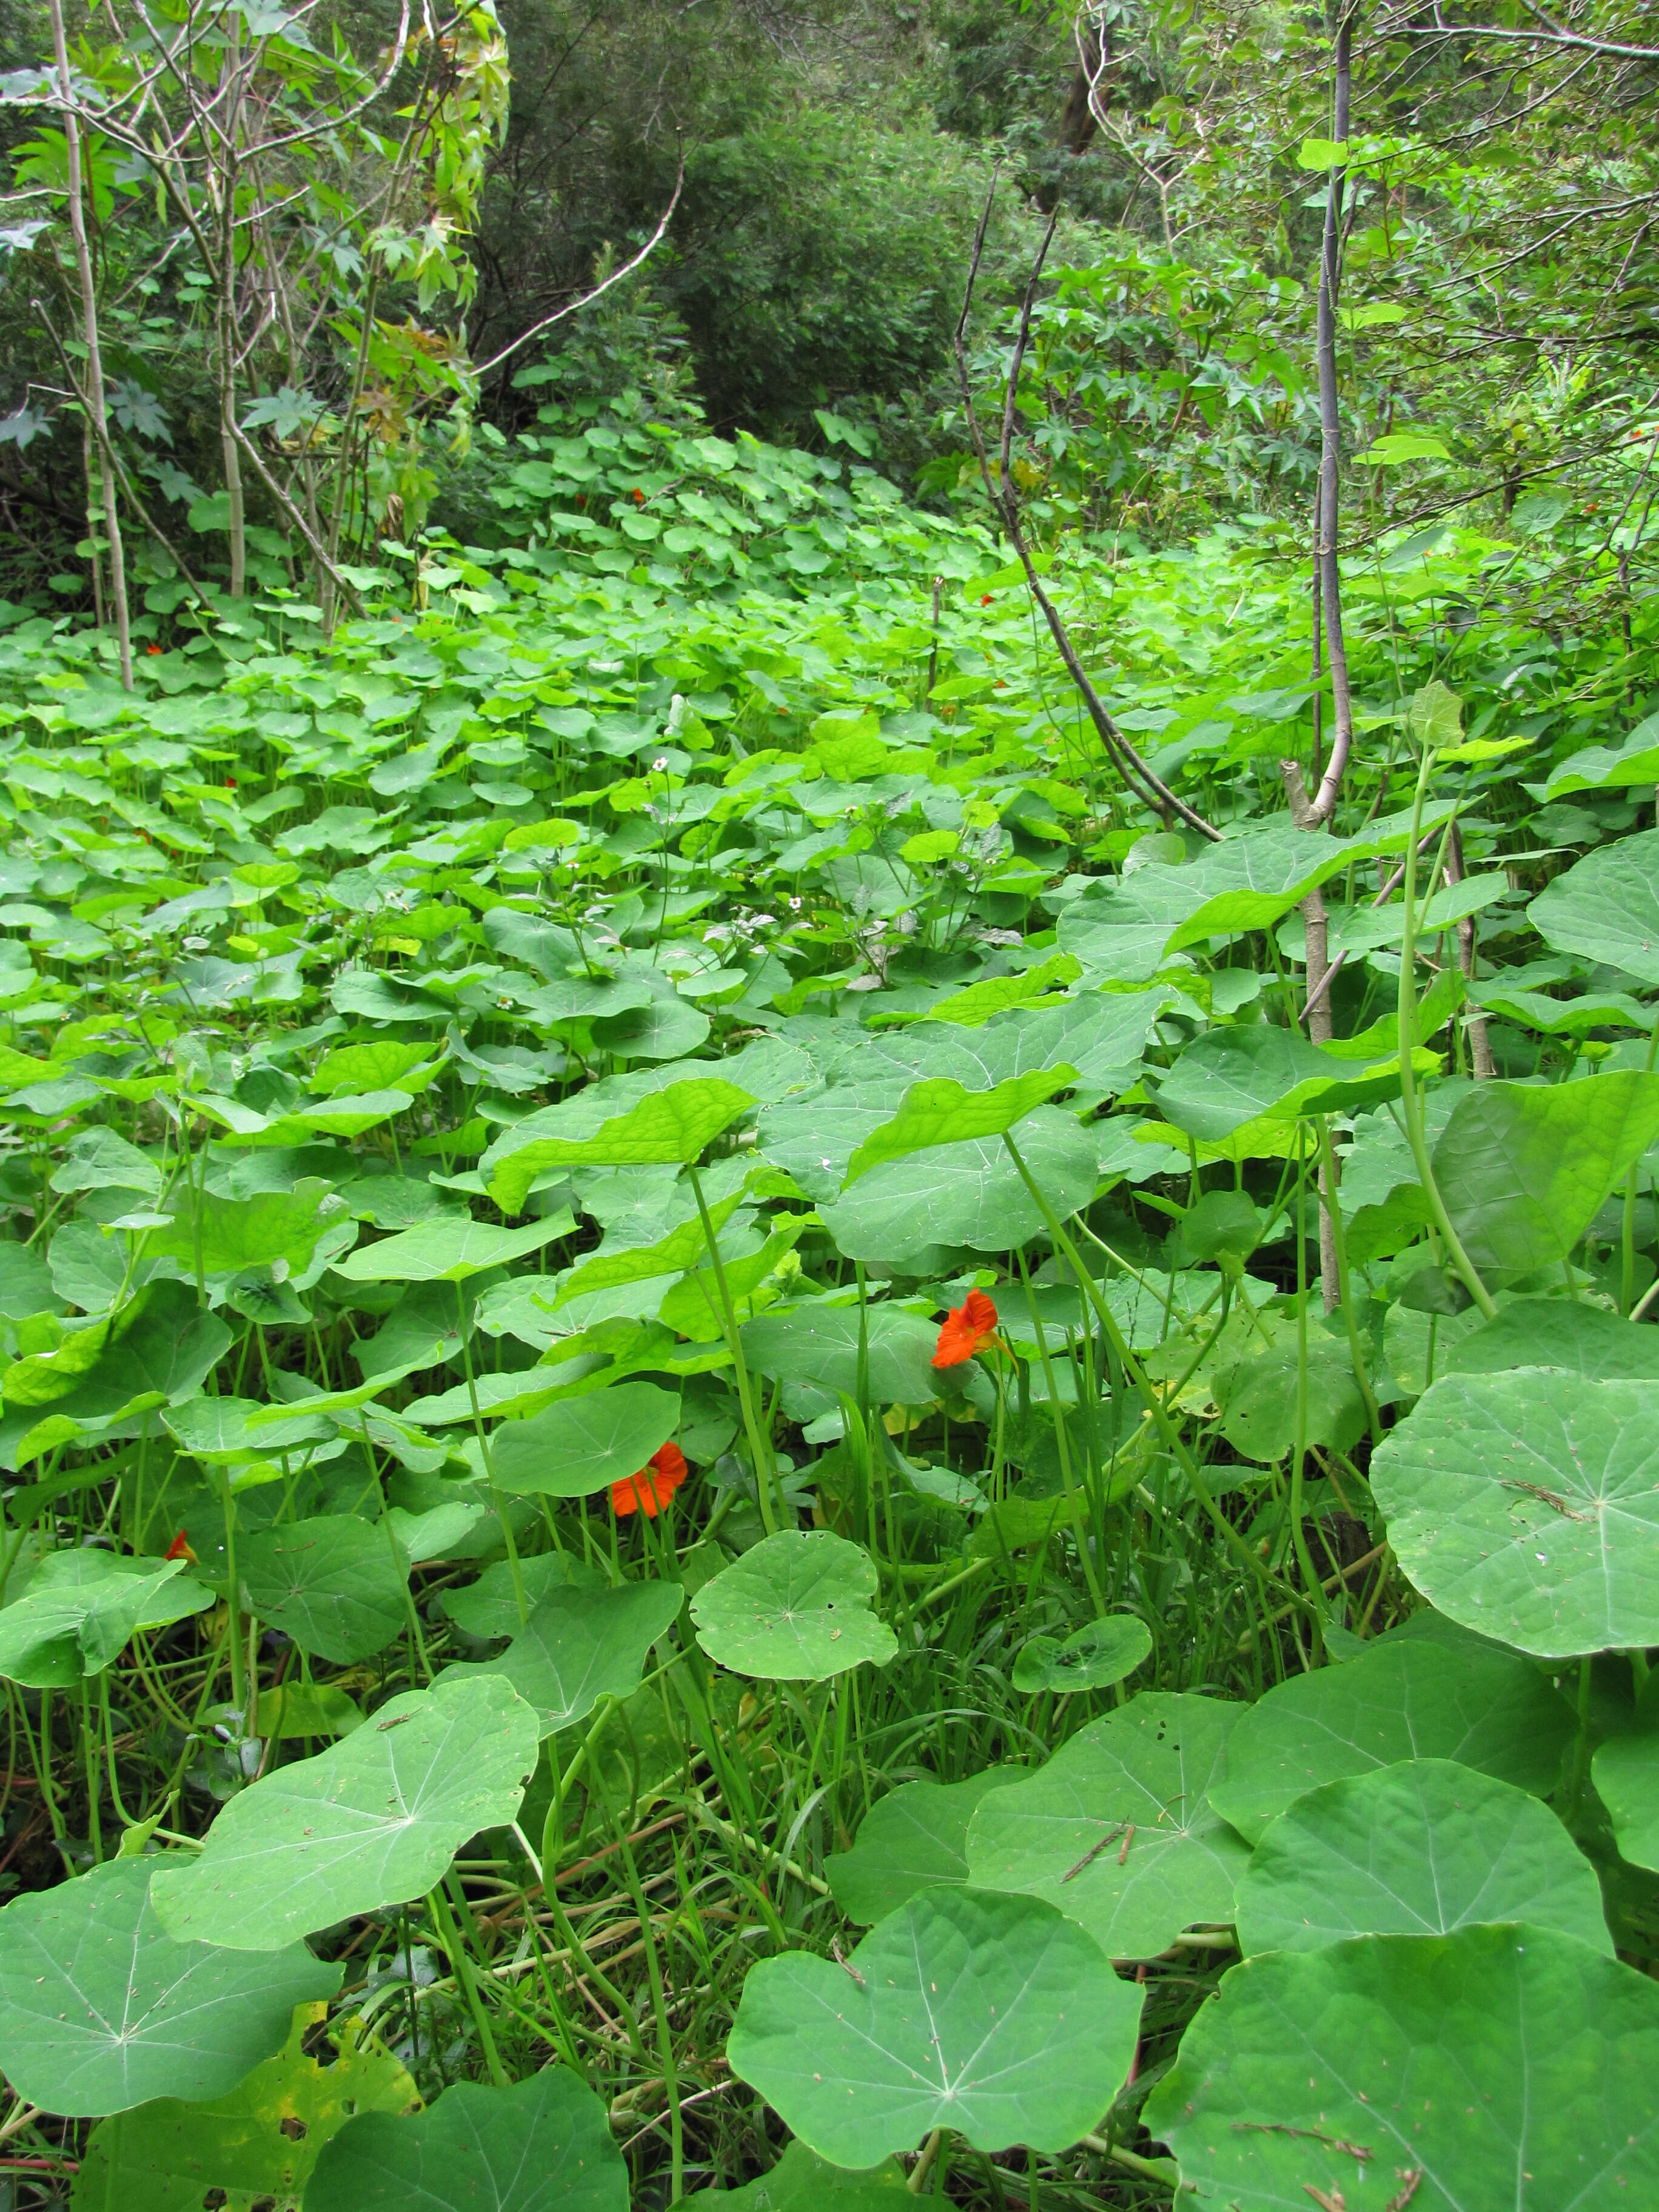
x: 795, y: 1608
x: 80, y: 1609
x: 1420, y: 1849
x: 103, y: 2008
x: 993, y: 2016
x: 543, y: 2145
x: 579, y: 1645
x: 577, y: 1445
x: 913, y: 1838
x: 1092, y: 1657
x: 1526, y: 1506
x: 1493, y: 2067
x: 1117, y: 1831
x: 1411, y: 1698
x: 372, y: 1821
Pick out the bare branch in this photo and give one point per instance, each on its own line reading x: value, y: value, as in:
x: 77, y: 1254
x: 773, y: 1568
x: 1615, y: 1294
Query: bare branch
x: 588, y: 298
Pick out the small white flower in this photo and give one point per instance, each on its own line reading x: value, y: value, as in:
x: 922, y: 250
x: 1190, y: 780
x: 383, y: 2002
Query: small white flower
x: 660, y: 763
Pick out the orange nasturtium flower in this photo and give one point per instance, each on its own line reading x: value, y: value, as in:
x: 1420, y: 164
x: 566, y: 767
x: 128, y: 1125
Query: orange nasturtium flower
x: 966, y: 1327
x: 650, y: 1490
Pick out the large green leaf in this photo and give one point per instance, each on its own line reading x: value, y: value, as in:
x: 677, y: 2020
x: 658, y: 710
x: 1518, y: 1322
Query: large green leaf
x: 1499, y: 2069
x: 259, y: 2142
x: 80, y: 1609
x: 578, y: 1445
x: 544, y: 2145
x: 819, y: 1343
x: 225, y: 1236
x: 939, y: 1111
x: 992, y: 2016
x: 101, y: 2008
x: 489, y: 1608
x: 1627, y: 1775
x: 914, y: 1839
x: 796, y: 1608
x: 372, y: 1821
x: 905, y: 1211
x: 1248, y: 882
x: 1229, y: 1076
x: 1419, y: 1849
x: 336, y: 1584
x: 801, y: 2181
x: 1523, y: 1168
x: 675, y: 1123
x: 1606, y: 907
x: 1409, y: 1698
x: 1526, y: 1505
x: 1117, y: 1831
x: 1557, y: 1332
x: 580, y: 1645
x: 447, y: 1250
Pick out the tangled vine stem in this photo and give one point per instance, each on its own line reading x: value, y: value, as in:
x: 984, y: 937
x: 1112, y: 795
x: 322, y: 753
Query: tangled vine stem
x: 999, y: 490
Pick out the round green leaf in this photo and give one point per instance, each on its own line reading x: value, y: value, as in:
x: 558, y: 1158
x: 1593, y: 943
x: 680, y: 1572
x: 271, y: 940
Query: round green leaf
x: 101, y: 2009
x: 1419, y: 1849
x: 940, y: 1110
x: 372, y: 1821
x: 1499, y: 2069
x: 1116, y: 1831
x: 544, y: 2145
x: 1526, y: 1505
x: 1606, y: 907
x: 578, y: 1445
x: 488, y: 1608
x: 914, y: 1839
x: 992, y: 2016
x: 1626, y: 1776
x: 1091, y: 1658
x: 337, y: 1584
x: 966, y: 1194
x: 794, y: 1609
x: 818, y: 1343
x: 1409, y: 1698
x: 580, y: 1645
x: 1228, y: 1077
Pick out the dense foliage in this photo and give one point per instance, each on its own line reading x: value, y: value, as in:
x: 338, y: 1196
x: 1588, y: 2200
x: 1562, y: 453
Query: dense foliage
x: 786, y: 1409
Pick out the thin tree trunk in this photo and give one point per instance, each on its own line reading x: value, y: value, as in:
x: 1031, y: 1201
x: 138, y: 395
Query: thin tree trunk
x: 118, y: 566
x: 1330, y: 439
x: 235, y: 511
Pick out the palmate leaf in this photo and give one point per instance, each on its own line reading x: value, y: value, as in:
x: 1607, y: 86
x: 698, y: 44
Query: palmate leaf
x: 1498, y: 2070
x: 993, y: 2016
x: 544, y: 2145
x: 1408, y: 1697
x: 1091, y: 1658
x: 578, y: 1445
x: 260, y: 2141
x: 1526, y: 1505
x: 914, y: 1839
x: 1117, y: 1831
x: 372, y: 1821
x: 580, y: 1645
x: 819, y: 1343
x: 1419, y: 1849
x: 796, y: 1608
x: 101, y: 2008
x: 968, y: 1194
x: 336, y: 1584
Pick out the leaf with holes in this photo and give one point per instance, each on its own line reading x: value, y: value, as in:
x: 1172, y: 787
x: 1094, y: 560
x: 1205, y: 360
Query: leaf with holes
x: 1117, y: 1831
